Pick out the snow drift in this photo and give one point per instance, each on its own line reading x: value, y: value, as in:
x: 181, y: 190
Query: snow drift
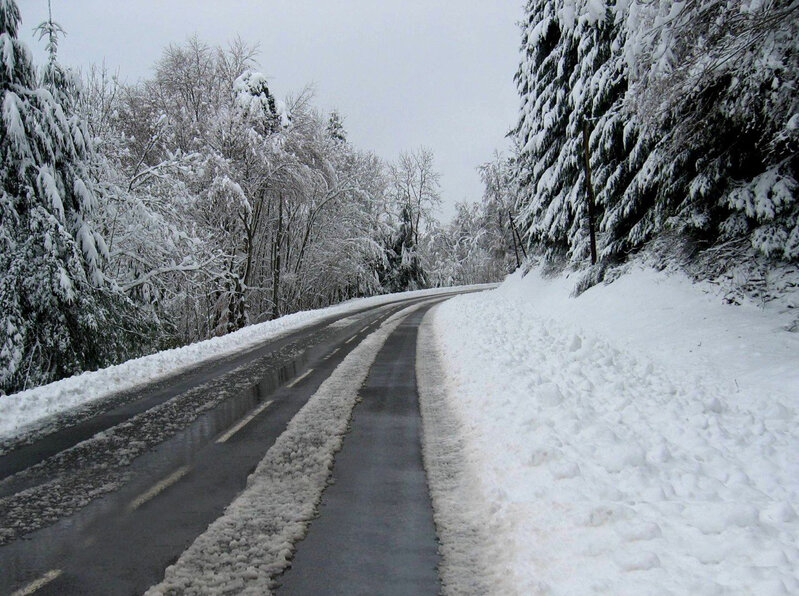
x: 639, y: 439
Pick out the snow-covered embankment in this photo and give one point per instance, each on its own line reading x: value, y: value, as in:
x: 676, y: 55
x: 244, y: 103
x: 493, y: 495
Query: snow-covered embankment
x: 641, y: 438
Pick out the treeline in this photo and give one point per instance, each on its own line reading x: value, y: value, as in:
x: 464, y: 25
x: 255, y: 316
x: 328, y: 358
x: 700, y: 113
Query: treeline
x: 481, y: 244
x: 227, y: 206
x: 184, y: 206
x: 692, y: 117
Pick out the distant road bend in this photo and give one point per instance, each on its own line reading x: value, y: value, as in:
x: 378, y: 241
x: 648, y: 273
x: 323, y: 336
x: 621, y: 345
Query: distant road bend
x: 106, y: 500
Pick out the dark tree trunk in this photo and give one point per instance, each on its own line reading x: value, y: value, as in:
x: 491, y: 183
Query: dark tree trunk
x: 276, y: 260
x: 590, y: 192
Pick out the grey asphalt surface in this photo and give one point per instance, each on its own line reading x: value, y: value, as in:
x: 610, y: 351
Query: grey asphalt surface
x: 106, y: 546
x: 375, y: 531
x: 84, y: 422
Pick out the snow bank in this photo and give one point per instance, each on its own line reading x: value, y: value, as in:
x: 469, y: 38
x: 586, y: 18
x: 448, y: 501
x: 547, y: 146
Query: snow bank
x: 247, y: 547
x: 639, y: 439
x: 468, y: 564
x: 31, y: 407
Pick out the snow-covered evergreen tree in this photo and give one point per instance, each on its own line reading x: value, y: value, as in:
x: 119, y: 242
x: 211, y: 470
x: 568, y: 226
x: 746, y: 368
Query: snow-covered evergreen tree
x: 402, y: 269
x: 694, y: 122
x: 55, y: 308
x: 715, y: 83
x: 335, y: 127
x: 569, y: 77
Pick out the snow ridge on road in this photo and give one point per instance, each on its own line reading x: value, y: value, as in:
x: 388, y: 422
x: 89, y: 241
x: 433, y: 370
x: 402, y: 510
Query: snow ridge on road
x: 251, y: 543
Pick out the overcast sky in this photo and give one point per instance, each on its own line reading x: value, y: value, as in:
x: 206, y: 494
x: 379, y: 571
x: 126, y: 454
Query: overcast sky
x: 403, y: 73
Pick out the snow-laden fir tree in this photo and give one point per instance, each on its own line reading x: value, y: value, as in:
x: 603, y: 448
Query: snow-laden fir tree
x: 55, y: 317
x: 402, y: 269
x: 694, y: 116
x: 335, y: 127
x: 569, y: 77
x: 716, y: 84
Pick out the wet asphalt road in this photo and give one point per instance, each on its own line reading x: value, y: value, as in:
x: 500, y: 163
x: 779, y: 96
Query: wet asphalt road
x: 375, y: 531
x: 122, y: 540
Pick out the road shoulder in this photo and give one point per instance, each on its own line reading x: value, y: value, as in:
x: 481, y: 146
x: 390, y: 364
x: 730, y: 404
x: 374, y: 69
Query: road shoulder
x: 470, y: 564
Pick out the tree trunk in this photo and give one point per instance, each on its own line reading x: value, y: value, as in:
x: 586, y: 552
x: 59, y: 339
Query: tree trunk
x: 515, y: 247
x: 590, y: 192
x: 517, y: 235
x: 276, y: 260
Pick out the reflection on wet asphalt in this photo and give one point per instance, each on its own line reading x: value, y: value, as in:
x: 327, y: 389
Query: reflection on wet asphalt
x: 73, y: 510
x: 96, y: 481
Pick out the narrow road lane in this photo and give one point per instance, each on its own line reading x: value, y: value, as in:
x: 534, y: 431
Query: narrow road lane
x: 375, y: 532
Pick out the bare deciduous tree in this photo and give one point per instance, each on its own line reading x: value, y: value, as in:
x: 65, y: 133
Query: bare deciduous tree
x: 415, y: 185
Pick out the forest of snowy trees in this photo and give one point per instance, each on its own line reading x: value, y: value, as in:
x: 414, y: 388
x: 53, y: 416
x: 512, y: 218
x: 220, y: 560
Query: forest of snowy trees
x: 691, y: 113
x: 135, y: 217
x: 187, y: 205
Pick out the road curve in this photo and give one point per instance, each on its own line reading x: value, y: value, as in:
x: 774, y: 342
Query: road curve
x: 112, y: 510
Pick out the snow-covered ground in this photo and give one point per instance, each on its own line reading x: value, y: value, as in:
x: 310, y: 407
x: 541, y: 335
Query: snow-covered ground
x: 640, y: 439
x: 31, y: 407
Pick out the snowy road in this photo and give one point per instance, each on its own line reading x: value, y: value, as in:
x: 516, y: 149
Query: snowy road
x: 105, y: 505
x: 375, y: 531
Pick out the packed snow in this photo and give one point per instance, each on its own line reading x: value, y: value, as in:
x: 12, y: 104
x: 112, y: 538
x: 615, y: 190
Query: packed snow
x: 468, y: 563
x: 251, y: 543
x: 641, y: 438
x: 28, y: 408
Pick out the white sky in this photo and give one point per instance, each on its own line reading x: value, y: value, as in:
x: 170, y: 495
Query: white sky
x: 404, y: 73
